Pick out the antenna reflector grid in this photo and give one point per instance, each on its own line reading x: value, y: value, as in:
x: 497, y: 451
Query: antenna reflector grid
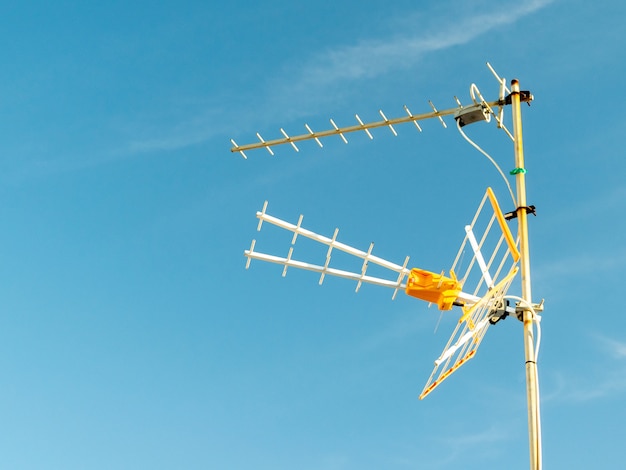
x: 467, y: 335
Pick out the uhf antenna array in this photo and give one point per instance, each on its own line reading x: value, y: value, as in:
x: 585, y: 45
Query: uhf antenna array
x: 479, y: 110
x: 495, y: 256
x: 489, y: 302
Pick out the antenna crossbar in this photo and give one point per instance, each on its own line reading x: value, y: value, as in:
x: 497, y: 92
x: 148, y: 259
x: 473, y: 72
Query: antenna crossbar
x: 332, y: 242
x: 288, y: 262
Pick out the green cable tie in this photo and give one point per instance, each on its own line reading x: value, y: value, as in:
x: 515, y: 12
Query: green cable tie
x: 517, y: 171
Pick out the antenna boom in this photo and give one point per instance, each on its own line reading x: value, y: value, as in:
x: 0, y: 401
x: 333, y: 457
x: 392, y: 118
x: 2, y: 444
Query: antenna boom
x: 339, y: 131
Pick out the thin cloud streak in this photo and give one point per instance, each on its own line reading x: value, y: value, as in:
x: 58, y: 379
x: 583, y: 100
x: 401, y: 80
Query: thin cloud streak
x: 571, y: 391
x: 476, y: 442
x: 395, y: 332
x: 371, y: 58
x: 571, y: 267
x: 617, y: 349
x: 339, y: 67
x: 580, y: 390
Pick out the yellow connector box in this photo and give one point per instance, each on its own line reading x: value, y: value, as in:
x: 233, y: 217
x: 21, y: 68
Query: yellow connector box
x: 433, y: 287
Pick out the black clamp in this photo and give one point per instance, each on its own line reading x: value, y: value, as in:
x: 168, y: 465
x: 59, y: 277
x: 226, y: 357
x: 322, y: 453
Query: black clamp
x: 525, y: 96
x: 513, y: 214
x: 499, y: 312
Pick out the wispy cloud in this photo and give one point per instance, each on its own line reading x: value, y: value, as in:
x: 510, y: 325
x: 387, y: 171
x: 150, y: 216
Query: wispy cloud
x: 572, y: 266
x: 617, y: 349
x: 568, y: 390
x: 334, y: 71
x: 605, y: 381
x: 188, y: 130
x: 477, y: 441
x: 369, y: 58
x: 402, y: 328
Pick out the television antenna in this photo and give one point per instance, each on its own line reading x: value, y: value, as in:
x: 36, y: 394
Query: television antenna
x: 490, y: 275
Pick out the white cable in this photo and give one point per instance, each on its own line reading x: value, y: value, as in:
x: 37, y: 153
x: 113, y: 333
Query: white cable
x: 475, y: 91
x: 536, y: 320
x: 473, y: 144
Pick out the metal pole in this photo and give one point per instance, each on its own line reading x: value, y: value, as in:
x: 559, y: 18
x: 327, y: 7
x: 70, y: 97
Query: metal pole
x: 532, y: 388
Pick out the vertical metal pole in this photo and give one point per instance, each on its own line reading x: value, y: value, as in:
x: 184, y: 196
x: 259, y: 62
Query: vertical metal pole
x: 532, y: 388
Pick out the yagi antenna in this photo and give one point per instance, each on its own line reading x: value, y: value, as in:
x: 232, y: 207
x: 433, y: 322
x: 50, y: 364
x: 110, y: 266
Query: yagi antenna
x: 495, y: 253
x: 480, y: 109
x: 429, y: 286
x: 491, y: 270
x: 342, y: 131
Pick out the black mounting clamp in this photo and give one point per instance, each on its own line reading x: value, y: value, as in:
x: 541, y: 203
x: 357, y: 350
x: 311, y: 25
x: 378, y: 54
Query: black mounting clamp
x: 513, y: 214
x: 525, y: 96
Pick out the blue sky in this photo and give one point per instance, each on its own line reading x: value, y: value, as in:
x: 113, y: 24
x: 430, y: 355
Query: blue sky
x: 131, y: 335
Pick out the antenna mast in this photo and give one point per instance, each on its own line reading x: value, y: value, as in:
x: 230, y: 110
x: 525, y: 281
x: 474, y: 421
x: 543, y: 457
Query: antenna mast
x: 527, y: 314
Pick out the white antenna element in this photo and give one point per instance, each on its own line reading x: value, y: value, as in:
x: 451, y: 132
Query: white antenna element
x: 363, y: 126
x: 479, y: 256
x: 410, y: 116
x: 232, y: 141
x: 332, y: 243
x: 345, y: 141
x: 330, y: 249
x: 269, y: 149
x: 499, y: 244
x: 289, y: 139
x: 262, y: 218
x: 437, y: 114
x: 364, y: 268
x: 393, y: 131
x: 312, y: 135
x: 502, y: 81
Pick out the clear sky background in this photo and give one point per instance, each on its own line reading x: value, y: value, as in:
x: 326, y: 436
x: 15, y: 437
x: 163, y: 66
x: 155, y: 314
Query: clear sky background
x: 132, y: 337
